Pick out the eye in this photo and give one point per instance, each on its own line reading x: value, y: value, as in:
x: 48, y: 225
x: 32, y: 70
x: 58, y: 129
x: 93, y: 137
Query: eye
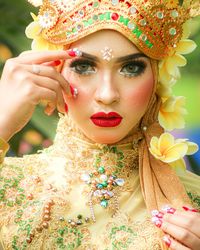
x: 83, y: 67
x: 132, y: 69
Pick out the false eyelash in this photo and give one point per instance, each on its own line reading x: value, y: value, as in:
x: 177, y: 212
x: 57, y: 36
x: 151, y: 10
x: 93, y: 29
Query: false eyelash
x: 76, y: 62
x: 140, y: 63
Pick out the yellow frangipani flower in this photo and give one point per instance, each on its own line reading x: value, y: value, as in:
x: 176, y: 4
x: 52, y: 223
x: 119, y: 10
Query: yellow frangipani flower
x: 171, y: 113
x: 170, y: 150
x: 169, y: 67
x: 34, y: 31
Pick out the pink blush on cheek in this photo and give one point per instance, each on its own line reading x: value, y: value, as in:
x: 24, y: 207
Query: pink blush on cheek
x: 141, y: 95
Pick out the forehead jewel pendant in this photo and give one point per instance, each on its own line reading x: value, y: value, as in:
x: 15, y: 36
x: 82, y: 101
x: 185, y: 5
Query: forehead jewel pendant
x: 107, y: 53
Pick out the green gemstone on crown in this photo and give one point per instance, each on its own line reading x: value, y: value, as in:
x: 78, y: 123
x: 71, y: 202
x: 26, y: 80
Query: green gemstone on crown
x: 101, y: 170
x: 172, y: 31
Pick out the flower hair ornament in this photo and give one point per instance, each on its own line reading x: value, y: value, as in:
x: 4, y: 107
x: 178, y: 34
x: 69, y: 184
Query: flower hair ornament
x: 160, y: 29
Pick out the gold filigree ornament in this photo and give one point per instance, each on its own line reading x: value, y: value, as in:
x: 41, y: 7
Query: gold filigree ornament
x: 155, y: 26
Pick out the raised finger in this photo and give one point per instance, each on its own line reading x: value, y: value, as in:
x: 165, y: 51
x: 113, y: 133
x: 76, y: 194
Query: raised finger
x: 50, y: 72
x: 183, y: 235
x: 44, y: 94
x: 54, y: 85
x: 40, y: 57
x: 173, y: 244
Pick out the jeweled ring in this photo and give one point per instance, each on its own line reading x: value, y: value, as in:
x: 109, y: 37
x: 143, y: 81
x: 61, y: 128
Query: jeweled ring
x: 36, y: 69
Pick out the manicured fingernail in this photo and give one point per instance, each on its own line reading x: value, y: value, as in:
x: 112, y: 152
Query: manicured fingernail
x: 157, y: 213
x: 74, y: 91
x: 167, y: 240
x: 168, y: 209
x: 190, y: 209
x: 186, y: 208
x: 56, y: 63
x: 157, y: 221
x: 74, y: 52
x: 66, y: 108
x: 194, y: 210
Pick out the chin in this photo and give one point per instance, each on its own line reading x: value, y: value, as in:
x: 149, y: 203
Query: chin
x: 105, y: 138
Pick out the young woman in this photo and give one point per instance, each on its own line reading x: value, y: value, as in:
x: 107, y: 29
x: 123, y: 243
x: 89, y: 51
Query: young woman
x: 113, y: 179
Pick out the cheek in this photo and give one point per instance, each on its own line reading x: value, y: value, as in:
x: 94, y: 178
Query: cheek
x: 139, y: 96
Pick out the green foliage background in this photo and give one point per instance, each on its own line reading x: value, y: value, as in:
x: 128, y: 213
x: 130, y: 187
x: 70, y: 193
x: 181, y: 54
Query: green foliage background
x: 15, y: 16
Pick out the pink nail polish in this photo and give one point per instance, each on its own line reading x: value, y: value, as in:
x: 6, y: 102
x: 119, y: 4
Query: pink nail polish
x: 71, y: 53
x: 168, y: 209
x: 66, y: 108
x: 56, y: 63
x: 190, y: 209
x: 167, y: 240
x: 171, y: 210
x: 71, y: 89
x: 157, y: 222
x: 194, y: 210
x: 160, y: 215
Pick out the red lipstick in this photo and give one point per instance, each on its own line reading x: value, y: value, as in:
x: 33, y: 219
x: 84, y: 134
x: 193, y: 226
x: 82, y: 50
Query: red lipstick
x: 101, y: 119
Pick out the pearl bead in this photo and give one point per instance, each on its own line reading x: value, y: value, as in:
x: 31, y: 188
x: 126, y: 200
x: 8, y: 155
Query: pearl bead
x: 39, y: 229
x: 144, y: 128
x: 73, y: 224
x: 30, y: 196
x: 47, y: 211
x: 28, y: 240
x: 51, y: 202
x: 45, y: 225
x: 87, y: 219
x: 46, y: 217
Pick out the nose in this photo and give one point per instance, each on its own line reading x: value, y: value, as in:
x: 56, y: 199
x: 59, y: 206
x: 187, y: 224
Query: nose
x: 107, y: 92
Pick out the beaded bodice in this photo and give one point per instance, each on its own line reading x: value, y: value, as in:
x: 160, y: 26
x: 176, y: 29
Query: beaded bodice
x: 75, y: 195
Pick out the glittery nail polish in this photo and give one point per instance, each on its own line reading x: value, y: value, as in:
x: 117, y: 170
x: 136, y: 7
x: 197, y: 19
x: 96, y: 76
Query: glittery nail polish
x: 168, y: 209
x: 157, y: 222
x: 167, y: 240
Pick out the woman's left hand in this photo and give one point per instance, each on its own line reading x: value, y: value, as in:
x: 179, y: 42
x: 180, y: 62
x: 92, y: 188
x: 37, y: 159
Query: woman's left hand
x: 182, y: 228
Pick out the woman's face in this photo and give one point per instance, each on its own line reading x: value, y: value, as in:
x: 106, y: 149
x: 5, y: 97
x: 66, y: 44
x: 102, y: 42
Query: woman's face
x: 114, y: 82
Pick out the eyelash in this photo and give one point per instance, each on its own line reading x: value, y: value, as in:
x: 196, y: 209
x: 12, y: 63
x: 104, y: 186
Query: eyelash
x: 139, y: 65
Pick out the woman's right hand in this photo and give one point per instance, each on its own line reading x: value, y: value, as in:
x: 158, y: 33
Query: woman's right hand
x: 26, y: 81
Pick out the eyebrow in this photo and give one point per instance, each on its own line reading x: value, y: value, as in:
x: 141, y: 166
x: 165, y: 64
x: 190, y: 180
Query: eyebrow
x: 117, y: 59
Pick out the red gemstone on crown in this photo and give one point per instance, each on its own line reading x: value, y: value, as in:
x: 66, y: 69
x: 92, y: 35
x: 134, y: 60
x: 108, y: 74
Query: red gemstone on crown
x: 114, y: 16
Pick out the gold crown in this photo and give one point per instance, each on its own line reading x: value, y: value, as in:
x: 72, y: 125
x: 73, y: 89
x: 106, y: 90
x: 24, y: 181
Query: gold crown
x: 155, y: 26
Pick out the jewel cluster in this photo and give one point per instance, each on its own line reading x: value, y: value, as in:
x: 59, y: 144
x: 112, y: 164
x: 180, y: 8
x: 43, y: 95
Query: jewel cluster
x: 101, y: 182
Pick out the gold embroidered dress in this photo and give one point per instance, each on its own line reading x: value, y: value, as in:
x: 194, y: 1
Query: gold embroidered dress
x: 79, y: 195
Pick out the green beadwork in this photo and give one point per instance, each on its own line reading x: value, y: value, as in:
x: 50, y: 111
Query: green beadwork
x: 118, y: 245
x: 101, y: 170
x: 12, y: 183
x: 104, y: 183
x: 65, y: 233
x: 108, y: 16
x: 195, y: 198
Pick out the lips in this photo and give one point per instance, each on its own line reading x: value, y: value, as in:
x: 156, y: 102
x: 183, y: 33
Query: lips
x: 101, y: 119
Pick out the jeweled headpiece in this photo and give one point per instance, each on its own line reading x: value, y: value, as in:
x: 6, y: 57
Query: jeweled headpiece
x: 159, y: 28
x: 155, y: 26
